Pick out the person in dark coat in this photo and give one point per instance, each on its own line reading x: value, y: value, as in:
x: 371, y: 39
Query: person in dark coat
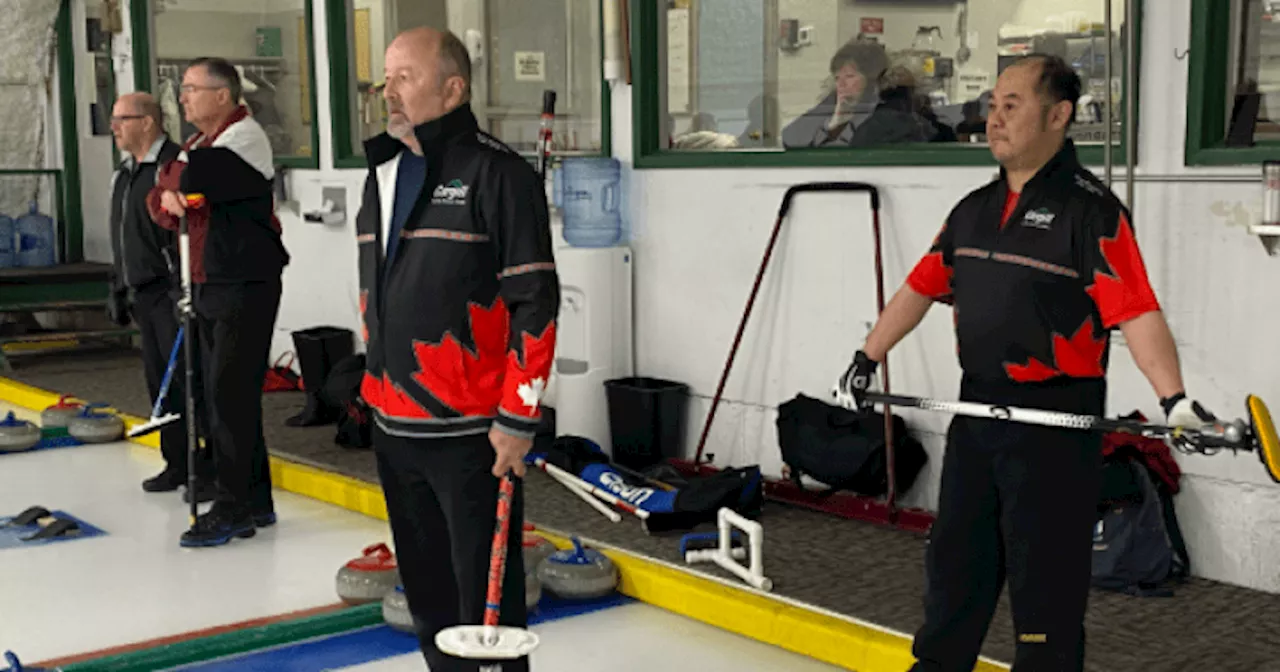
x: 144, y: 280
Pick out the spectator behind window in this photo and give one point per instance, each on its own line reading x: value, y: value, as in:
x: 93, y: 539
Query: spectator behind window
x: 854, y: 69
x: 896, y: 119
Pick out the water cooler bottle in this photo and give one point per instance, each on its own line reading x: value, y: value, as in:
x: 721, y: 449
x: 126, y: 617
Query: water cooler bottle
x: 594, y: 333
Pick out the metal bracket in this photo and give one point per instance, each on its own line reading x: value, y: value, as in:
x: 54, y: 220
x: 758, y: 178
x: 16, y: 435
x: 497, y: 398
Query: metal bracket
x: 1270, y: 235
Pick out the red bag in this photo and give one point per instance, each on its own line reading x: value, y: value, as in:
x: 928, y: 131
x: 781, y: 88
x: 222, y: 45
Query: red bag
x: 1155, y: 454
x: 281, y: 378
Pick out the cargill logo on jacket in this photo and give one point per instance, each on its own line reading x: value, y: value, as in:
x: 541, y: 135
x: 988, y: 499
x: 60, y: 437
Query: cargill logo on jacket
x: 453, y: 193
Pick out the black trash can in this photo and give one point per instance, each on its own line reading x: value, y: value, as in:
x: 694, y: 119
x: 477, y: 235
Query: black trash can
x: 646, y: 419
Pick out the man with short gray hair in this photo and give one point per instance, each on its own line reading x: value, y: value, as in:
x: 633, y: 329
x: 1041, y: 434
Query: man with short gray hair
x: 237, y: 258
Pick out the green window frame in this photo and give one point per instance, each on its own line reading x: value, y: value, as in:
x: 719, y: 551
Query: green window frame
x: 645, y: 19
x: 1212, y: 40
x: 141, y: 26
x: 342, y: 103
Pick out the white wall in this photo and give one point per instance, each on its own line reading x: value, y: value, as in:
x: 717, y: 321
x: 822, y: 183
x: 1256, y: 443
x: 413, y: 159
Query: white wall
x: 1213, y: 278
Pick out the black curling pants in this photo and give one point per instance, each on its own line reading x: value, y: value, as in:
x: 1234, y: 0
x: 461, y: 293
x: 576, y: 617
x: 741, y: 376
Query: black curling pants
x: 1018, y: 503
x: 236, y: 323
x: 442, y: 502
x: 154, y: 311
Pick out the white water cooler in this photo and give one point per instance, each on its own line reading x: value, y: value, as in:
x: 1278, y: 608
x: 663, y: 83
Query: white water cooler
x: 593, y: 337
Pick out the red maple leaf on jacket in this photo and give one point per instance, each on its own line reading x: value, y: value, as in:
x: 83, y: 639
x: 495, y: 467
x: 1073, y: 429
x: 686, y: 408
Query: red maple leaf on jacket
x: 1124, y: 292
x: 464, y: 380
x: 364, y: 307
x: 390, y: 398
x: 522, y: 390
x: 1080, y: 357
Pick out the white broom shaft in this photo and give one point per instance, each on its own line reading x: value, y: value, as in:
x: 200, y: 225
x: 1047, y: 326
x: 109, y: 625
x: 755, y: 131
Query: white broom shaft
x: 606, y: 496
x: 587, y: 497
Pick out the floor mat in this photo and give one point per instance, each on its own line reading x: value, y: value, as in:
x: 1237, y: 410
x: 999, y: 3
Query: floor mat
x: 14, y: 536
x: 377, y: 643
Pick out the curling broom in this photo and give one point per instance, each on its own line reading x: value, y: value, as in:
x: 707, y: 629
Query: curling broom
x: 491, y: 641
x: 158, y: 421
x: 1257, y: 434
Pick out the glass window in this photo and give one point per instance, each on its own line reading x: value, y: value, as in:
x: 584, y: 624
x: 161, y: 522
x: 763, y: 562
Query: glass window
x: 269, y: 42
x: 519, y: 48
x: 847, y: 74
x: 1253, y: 114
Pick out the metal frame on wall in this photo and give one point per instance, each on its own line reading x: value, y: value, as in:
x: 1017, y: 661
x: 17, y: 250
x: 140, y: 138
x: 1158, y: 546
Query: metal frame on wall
x: 1209, y: 95
x: 142, y: 26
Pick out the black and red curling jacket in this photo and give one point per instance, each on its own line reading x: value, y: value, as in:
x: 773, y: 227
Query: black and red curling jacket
x: 461, y: 323
x: 1037, y: 279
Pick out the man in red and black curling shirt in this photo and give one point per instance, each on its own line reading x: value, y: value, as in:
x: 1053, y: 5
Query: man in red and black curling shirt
x: 458, y: 297
x: 237, y: 258
x: 1040, y: 265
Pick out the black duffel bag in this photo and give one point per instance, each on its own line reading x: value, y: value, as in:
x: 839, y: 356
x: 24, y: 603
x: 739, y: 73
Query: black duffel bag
x: 844, y: 449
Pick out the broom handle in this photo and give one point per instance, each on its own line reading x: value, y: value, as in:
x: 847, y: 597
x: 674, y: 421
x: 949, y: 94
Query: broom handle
x: 184, y: 242
x: 587, y: 497
x: 168, y: 373
x: 498, y: 552
x: 552, y: 469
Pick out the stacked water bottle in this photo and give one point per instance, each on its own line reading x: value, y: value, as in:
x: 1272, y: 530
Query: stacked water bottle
x: 28, y: 241
x: 588, y: 191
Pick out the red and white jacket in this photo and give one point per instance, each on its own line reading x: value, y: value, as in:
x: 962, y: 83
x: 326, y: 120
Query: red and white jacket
x: 235, y: 235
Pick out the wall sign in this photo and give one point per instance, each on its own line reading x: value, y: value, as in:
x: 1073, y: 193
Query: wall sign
x: 531, y: 66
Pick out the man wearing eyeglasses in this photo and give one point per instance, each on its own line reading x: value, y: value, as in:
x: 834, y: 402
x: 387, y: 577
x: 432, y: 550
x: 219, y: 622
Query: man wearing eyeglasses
x: 237, y: 259
x: 143, y: 278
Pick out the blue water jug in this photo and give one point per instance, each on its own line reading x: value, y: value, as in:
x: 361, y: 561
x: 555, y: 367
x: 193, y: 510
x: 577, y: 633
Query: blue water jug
x: 589, y: 197
x: 35, y: 238
x: 6, y: 241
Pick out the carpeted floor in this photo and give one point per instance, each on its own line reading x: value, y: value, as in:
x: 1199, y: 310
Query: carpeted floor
x: 868, y: 572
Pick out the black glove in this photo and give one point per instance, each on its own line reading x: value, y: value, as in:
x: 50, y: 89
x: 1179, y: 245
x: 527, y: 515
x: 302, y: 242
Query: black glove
x: 850, y: 391
x: 118, y: 306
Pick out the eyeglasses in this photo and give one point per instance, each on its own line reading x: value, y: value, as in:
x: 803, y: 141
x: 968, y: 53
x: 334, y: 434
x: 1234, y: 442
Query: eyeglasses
x: 192, y: 88
x: 120, y: 119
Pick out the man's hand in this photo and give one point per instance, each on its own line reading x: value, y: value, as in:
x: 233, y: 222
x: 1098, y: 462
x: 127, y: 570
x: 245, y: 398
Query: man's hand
x: 1182, y: 411
x: 850, y: 391
x: 510, y: 452
x: 173, y: 203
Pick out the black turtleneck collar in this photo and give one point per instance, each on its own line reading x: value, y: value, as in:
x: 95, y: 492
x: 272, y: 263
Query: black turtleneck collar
x: 431, y: 135
x: 1065, y: 161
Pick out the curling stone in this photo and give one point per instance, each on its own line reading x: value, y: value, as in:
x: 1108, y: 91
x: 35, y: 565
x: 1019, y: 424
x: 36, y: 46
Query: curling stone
x: 532, y: 590
x: 395, y: 610
x: 17, y: 435
x: 370, y: 577
x: 536, y: 549
x: 92, y: 425
x: 56, y: 418
x: 578, y: 573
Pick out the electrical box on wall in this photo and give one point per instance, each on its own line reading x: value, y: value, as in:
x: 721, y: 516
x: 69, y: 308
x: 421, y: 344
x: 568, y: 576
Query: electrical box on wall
x: 789, y: 34
x: 792, y: 35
